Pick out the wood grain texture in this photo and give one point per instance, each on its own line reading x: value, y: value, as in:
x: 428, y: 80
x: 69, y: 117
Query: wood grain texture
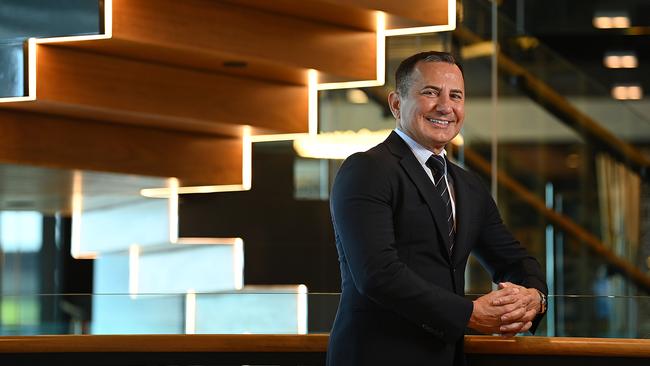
x: 205, y: 33
x: 49, y: 141
x: 548, y: 346
x: 342, y: 14
x: 558, y: 346
x: 198, y: 59
x: 359, y: 14
x: 430, y: 12
x: 165, y: 343
x: 89, y: 85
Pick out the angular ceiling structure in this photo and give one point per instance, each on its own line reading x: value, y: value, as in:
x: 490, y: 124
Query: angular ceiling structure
x: 182, y: 88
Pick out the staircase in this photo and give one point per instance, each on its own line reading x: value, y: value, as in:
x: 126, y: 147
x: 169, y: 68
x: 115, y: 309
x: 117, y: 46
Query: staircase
x: 168, y: 88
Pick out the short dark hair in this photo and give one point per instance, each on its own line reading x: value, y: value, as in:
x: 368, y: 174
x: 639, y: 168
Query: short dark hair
x: 405, y: 68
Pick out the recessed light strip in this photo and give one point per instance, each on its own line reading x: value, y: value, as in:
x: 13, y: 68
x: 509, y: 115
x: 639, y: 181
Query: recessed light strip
x: 620, y: 60
x: 627, y: 92
x: 608, y: 20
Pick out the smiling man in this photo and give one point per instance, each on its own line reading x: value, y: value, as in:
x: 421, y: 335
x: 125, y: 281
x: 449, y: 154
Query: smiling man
x: 406, y: 220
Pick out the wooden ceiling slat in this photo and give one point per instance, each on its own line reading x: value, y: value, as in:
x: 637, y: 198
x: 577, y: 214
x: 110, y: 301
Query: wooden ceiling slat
x: 342, y: 14
x: 198, y: 60
x: 205, y: 34
x: 56, y: 142
x: 359, y: 14
x: 429, y: 12
x: 90, y: 85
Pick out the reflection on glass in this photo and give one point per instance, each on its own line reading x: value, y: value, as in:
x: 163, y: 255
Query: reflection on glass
x: 22, y: 19
x: 21, y: 241
x: 12, y: 64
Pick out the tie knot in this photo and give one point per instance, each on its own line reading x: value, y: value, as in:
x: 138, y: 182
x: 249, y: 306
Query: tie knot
x: 438, y: 166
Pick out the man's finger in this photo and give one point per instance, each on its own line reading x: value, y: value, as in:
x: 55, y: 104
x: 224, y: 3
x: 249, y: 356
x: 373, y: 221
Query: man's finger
x: 506, y: 292
x: 530, y: 315
x: 504, y: 300
x: 516, y: 314
x: 509, y: 308
x: 512, y: 327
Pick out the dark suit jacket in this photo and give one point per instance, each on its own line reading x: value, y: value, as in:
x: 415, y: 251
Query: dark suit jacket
x: 402, y: 292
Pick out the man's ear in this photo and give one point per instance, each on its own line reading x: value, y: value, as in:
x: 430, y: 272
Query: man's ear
x: 394, y: 104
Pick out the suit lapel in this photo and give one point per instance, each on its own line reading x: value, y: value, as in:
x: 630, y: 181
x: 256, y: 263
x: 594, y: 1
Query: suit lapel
x: 422, y: 182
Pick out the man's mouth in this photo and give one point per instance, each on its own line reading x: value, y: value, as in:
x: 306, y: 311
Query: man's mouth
x: 439, y: 122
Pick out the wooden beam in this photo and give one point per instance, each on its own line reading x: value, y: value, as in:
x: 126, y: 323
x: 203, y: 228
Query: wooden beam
x: 429, y: 12
x: 55, y: 142
x: 342, y: 14
x: 360, y: 14
x: 197, y: 59
x: 202, y: 33
x: 89, y: 85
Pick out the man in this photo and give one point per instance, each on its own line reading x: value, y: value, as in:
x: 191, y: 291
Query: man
x: 406, y: 220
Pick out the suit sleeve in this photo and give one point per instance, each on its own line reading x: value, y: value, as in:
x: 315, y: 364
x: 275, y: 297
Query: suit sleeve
x: 503, y: 256
x: 362, y: 206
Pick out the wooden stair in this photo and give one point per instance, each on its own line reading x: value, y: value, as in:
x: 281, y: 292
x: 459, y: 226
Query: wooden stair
x: 178, y: 89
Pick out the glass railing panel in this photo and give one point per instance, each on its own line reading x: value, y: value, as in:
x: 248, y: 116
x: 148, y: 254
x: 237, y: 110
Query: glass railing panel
x: 561, y: 167
x: 537, y: 155
x: 278, y: 310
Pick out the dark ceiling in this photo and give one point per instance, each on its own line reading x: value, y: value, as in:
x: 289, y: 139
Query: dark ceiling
x: 567, y: 28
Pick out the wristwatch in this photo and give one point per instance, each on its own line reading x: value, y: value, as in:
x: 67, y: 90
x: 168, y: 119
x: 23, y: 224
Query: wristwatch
x: 542, y: 301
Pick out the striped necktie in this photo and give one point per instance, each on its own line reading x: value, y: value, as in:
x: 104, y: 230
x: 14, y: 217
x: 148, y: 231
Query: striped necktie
x: 438, y: 166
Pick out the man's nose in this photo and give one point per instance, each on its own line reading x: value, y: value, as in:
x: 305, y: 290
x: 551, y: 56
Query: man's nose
x: 443, y: 105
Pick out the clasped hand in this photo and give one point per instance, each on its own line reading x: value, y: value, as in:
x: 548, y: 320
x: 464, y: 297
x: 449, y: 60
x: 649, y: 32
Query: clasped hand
x: 507, y: 311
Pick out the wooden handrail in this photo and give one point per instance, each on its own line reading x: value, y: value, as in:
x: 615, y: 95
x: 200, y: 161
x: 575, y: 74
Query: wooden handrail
x: 558, y: 346
x: 548, y: 346
x: 165, y: 343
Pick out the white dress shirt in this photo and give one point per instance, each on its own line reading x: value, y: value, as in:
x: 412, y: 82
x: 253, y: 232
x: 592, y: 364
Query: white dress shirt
x: 422, y: 154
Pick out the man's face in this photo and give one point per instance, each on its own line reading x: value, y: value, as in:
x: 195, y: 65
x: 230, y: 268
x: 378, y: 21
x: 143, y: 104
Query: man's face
x: 433, y: 110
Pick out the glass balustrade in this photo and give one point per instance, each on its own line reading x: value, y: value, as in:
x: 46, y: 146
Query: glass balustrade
x: 279, y: 310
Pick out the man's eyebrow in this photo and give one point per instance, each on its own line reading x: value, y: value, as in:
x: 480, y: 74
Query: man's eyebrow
x: 439, y: 88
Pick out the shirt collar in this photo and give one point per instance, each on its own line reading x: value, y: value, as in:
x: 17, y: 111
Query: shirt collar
x: 422, y: 154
